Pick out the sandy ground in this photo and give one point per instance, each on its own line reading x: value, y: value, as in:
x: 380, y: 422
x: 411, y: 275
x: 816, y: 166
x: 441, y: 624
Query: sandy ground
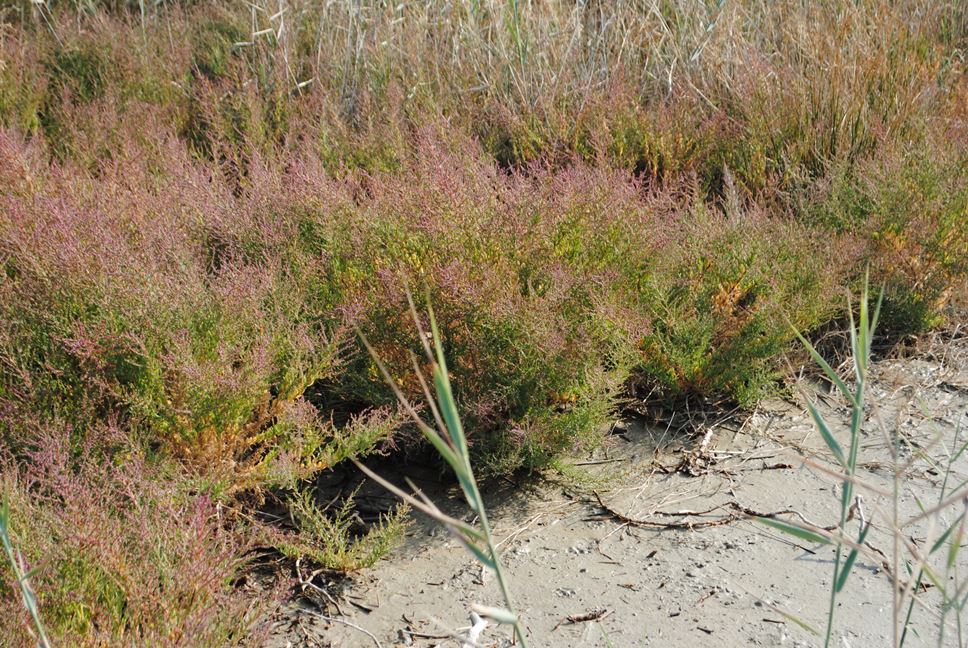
x: 727, y: 584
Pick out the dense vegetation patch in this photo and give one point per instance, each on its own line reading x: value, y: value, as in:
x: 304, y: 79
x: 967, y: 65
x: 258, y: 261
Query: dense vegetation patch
x: 203, y: 203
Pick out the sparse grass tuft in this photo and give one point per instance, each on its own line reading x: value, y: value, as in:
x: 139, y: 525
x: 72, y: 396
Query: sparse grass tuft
x: 329, y: 538
x: 912, y: 565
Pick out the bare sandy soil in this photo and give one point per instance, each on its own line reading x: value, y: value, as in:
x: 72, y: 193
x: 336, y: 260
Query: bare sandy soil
x: 596, y: 563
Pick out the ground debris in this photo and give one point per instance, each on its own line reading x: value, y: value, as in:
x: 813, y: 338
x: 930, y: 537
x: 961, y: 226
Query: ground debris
x: 685, y: 520
x: 594, y: 615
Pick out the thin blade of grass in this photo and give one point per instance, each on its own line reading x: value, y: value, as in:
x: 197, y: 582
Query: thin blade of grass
x: 795, y: 619
x: 827, y: 435
x: 961, y: 451
x: 944, y: 536
x: 444, y: 394
x: 877, y: 310
x: 854, y: 348
x: 955, y: 546
x: 500, y: 615
x: 447, y: 453
x: 449, y: 410
x: 429, y: 510
x: 427, y: 394
x: 795, y: 530
x: 827, y: 369
x: 864, y: 332
x: 937, y: 582
x: 849, y: 563
x: 481, y: 556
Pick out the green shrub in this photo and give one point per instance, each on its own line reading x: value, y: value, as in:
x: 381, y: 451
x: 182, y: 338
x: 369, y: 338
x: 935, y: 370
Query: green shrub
x: 532, y: 356
x: 214, y: 43
x: 205, y: 201
x: 77, y: 74
x: 206, y: 348
x: 910, y: 208
x: 723, y: 301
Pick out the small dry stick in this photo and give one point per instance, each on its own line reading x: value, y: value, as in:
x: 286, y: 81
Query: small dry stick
x: 742, y: 513
x: 346, y: 623
x: 594, y: 615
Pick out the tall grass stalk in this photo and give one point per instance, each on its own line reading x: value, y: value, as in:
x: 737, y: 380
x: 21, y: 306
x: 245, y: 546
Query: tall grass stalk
x: 861, y: 334
x: 952, y: 537
x: 860, y: 340
x: 26, y: 592
x: 905, y: 553
x: 449, y: 441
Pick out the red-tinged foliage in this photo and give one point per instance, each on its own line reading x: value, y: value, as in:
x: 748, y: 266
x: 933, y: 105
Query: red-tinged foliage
x: 196, y: 219
x: 123, y: 552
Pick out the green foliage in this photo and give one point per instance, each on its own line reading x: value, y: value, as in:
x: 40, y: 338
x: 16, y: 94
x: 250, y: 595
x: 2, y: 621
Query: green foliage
x: 15, y: 562
x: 77, y: 75
x: 723, y: 303
x: 215, y: 41
x: 21, y: 97
x: 330, y: 540
x: 523, y: 87
x: 127, y: 554
x: 207, y: 359
x: 910, y: 208
x: 203, y: 200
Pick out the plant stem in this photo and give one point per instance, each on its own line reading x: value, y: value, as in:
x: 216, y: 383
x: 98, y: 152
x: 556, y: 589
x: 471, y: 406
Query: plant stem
x: 27, y: 594
x: 499, y: 571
